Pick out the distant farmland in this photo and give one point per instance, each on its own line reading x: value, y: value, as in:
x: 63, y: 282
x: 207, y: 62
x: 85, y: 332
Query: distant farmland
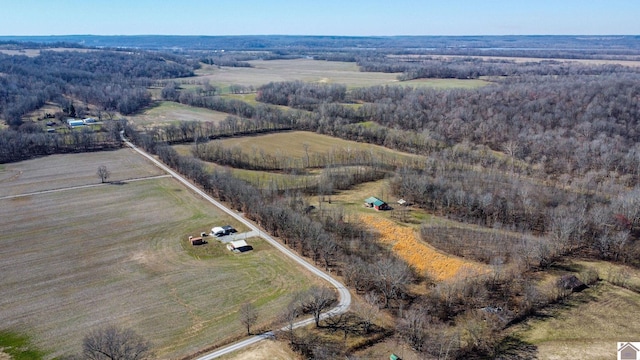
x: 78, y: 258
x: 330, y: 72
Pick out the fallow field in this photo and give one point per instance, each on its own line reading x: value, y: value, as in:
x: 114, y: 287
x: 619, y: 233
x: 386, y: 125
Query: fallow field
x: 80, y: 257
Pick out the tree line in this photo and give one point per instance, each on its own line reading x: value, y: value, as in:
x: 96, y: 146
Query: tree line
x: 298, y: 94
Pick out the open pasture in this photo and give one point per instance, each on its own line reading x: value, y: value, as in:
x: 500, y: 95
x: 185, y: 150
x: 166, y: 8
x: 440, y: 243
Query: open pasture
x: 587, y: 326
x: 76, y: 259
x: 318, y: 71
x: 297, y: 145
x: 168, y: 112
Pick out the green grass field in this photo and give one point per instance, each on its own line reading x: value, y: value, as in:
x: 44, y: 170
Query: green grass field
x: 75, y: 259
x: 18, y: 347
x: 168, y: 112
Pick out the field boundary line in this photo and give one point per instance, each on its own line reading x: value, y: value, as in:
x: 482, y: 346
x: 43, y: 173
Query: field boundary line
x: 81, y: 187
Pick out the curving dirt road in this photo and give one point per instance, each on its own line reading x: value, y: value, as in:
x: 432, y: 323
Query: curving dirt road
x: 343, y: 292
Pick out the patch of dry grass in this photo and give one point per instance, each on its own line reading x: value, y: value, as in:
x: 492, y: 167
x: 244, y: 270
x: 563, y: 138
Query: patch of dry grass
x: 425, y: 259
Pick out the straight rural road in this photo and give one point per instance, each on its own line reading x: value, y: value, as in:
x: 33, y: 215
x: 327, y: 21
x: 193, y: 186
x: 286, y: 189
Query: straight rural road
x: 344, y: 295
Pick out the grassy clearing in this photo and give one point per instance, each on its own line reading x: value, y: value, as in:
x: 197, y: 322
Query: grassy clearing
x: 587, y: 326
x: 17, y: 347
x: 262, y: 179
x: 41, y: 113
x: 77, y: 259
x: 248, y: 98
x: 352, y: 200
x: 292, y: 145
x: 617, y: 274
x: 168, y: 112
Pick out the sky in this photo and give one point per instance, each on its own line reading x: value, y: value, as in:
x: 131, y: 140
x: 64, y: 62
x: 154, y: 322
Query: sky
x: 320, y: 17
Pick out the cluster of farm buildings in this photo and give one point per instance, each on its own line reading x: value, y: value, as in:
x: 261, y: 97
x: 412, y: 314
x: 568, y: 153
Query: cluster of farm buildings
x: 221, y: 231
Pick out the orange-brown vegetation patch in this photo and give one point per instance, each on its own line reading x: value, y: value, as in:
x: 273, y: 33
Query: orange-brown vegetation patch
x: 421, y: 256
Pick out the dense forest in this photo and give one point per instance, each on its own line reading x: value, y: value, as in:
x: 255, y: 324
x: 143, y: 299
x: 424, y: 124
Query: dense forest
x: 546, y: 156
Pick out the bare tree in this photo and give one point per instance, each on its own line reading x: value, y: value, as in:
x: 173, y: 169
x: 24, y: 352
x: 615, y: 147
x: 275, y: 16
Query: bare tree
x: 248, y: 316
x: 391, y: 278
x: 369, y: 310
x: 318, y: 299
x: 103, y: 173
x: 115, y: 343
x: 290, y: 314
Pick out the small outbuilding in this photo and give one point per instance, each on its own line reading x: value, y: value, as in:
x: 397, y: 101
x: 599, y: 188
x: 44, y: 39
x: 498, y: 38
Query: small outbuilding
x: 374, y: 202
x: 571, y: 282
x: 196, y: 240
x: 239, y: 246
x: 75, y: 123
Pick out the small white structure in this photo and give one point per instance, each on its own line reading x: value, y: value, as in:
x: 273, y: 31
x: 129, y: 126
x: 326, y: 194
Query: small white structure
x: 89, y: 121
x: 239, y: 246
x: 75, y: 123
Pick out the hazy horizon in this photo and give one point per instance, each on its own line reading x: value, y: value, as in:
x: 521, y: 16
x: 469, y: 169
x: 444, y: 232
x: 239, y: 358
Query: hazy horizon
x: 327, y: 18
